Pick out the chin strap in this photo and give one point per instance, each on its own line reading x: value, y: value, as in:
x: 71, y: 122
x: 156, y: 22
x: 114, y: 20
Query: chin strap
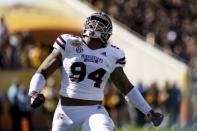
x: 103, y: 45
x: 94, y: 34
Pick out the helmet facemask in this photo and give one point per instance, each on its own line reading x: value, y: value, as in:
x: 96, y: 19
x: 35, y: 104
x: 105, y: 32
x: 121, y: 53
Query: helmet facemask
x: 98, y: 26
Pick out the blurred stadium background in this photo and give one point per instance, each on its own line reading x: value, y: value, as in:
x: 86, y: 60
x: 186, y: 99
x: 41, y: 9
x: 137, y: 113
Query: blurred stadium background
x: 159, y: 39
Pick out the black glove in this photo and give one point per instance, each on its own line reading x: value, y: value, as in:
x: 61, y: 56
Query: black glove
x: 155, y: 117
x: 36, y: 99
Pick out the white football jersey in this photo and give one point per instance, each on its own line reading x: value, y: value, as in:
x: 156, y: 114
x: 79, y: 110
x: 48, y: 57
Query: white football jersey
x: 85, y: 72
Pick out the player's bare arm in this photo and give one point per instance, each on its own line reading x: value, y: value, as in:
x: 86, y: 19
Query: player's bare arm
x: 133, y: 96
x: 50, y: 64
x: 121, y: 81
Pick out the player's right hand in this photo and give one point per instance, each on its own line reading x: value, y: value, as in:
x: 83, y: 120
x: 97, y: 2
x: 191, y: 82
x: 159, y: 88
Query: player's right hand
x: 36, y: 99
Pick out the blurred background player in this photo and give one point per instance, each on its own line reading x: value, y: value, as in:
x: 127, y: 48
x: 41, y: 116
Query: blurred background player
x: 86, y: 64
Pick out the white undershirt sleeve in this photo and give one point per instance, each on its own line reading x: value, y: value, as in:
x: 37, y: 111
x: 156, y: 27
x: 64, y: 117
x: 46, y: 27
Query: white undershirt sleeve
x: 37, y: 83
x: 134, y: 97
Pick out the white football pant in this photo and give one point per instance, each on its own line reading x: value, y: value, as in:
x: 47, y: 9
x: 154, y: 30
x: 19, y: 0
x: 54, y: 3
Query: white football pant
x: 82, y: 118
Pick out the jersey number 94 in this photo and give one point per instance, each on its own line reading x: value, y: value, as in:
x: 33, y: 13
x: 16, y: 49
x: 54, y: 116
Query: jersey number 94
x: 78, y: 70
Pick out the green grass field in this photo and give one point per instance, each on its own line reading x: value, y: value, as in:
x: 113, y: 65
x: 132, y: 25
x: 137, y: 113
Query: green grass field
x: 150, y: 129
x: 157, y: 129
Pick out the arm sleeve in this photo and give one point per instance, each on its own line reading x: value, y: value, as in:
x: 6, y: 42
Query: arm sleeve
x: 37, y: 83
x: 134, y: 97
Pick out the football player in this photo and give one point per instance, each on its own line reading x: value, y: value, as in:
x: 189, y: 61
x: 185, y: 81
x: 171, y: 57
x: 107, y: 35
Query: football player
x: 86, y: 64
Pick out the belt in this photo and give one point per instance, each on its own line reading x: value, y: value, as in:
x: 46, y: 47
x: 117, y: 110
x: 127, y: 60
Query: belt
x: 65, y: 101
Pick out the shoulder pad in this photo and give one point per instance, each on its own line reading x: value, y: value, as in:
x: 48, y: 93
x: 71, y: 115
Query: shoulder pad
x: 116, y: 50
x: 64, y: 39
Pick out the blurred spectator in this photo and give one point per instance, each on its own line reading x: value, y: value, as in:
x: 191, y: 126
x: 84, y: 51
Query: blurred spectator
x: 27, y: 43
x: 152, y: 95
x: 51, y: 94
x: 26, y: 38
x: 194, y: 102
x: 22, y: 51
x: 4, y: 41
x: 172, y: 103
x: 4, y: 33
x: 34, y: 55
x: 6, y: 122
x: 37, y: 53
x: 25, y: 108
x: 15, y: 51
x: 140, y: 118
x: 9, y: 53
x: 1, y: 59
x: 13, y: 93
x: 194, y: 89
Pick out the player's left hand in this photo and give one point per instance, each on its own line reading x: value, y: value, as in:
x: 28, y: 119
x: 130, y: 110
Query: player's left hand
x: 155, y: 117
